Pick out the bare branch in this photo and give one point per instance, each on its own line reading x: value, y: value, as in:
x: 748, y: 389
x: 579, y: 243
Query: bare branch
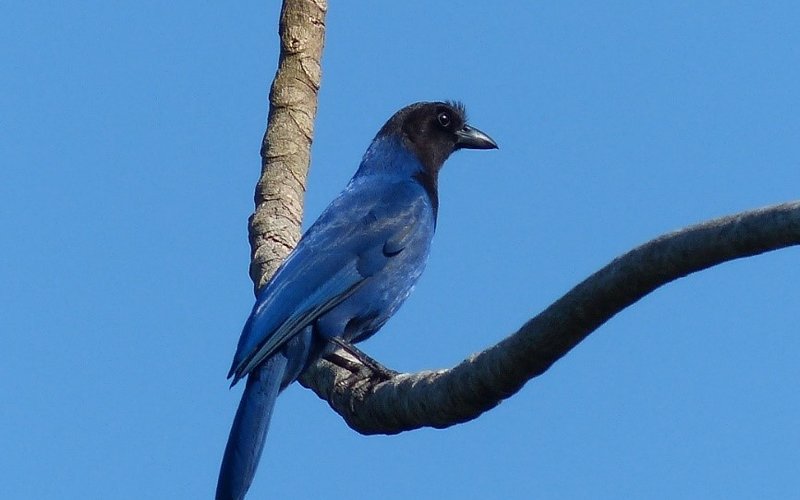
x: 373, y: 405
x: 286, y: 149
x: 369, y: 402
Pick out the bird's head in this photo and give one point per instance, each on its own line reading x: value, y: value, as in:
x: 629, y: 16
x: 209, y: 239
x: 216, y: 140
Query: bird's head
x: 434, y: 130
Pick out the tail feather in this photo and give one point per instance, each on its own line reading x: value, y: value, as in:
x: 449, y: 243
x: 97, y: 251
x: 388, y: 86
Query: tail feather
x: 249, y: 430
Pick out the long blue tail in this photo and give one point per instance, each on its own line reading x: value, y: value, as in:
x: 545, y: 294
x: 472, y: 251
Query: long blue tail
x: 249, y: 430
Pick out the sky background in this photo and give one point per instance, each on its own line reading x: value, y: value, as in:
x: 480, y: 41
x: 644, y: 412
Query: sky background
x: 129, y: 138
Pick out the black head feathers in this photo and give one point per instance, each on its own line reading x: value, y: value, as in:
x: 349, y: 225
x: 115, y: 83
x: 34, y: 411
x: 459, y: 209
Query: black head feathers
x: 433, y: 130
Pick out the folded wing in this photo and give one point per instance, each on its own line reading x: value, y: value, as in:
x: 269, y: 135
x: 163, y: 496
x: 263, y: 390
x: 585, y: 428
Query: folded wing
x: 351, y: 242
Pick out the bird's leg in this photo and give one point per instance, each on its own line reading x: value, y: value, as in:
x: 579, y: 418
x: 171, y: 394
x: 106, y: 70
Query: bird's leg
x: 377, y: 370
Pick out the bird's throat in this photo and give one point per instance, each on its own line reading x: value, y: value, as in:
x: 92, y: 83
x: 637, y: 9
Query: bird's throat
x: 430, y: 181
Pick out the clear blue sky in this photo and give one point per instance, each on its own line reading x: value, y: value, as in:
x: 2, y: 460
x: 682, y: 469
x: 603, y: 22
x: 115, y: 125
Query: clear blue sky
x: 129, y: 136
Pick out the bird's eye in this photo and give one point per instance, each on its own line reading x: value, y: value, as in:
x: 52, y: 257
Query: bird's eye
x: 444, y: 119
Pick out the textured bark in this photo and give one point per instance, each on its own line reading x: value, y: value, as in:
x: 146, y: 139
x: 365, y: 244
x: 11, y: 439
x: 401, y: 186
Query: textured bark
x: 374, y: 405
x: 274, y: 227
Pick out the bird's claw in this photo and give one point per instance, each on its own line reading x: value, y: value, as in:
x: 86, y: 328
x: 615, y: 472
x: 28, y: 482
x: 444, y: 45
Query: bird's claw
x: 364, y: 367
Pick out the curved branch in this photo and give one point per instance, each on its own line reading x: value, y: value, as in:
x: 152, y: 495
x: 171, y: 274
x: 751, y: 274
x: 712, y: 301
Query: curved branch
x: 382, y: 402
x: 375, y: 405
x: 274, y: 227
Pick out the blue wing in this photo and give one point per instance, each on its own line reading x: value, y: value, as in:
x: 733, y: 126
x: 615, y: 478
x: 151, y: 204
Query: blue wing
x: 366, y: 226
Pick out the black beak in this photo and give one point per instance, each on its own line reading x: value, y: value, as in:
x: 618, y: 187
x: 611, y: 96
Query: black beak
x: 472, y: 138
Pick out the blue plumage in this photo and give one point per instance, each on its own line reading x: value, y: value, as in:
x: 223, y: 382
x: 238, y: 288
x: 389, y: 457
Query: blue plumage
x: 348, y: 274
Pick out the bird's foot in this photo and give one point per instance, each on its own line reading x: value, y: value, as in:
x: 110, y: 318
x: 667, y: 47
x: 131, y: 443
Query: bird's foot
x: 365, y: 366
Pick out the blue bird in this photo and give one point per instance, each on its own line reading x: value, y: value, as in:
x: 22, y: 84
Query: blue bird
x: 349, y: 273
